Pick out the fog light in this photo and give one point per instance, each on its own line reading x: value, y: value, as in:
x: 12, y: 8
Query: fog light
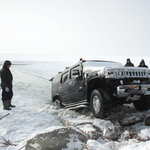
x: 121, y: 81
x: 127, y: 90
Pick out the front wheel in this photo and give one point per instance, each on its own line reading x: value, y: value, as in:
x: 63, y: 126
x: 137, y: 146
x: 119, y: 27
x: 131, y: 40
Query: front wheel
x: 143, y: 103
x: 100, y: 103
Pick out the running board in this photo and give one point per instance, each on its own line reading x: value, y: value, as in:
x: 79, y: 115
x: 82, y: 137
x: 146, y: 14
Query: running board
x: 76, y: 103
x: 76, y: 107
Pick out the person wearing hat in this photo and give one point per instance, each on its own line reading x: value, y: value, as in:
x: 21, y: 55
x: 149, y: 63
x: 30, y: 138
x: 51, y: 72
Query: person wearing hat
x: 6, y: 84
x: 128, y: 63
x: 142, y: 64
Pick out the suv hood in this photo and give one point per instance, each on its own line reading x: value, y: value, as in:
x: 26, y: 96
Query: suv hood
x: 114, y: 70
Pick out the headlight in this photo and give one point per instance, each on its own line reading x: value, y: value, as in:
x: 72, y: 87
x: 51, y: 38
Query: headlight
x: 123, y: 73
x: 119, y: 73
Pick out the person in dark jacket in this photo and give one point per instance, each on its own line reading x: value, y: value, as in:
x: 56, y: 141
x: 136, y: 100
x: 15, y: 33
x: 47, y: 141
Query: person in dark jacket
x: 142, y: 64
x: 6, y: 84
x: 128, y: 63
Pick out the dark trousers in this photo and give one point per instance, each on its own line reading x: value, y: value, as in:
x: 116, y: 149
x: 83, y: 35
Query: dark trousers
x: 7, y: 95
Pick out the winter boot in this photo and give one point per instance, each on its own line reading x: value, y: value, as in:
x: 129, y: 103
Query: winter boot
x: 9, y: 104
x: 5, y: 104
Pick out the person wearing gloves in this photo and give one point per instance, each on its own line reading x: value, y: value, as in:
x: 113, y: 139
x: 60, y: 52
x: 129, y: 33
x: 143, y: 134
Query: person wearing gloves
x: 6, y: 84
x: 142, y: 64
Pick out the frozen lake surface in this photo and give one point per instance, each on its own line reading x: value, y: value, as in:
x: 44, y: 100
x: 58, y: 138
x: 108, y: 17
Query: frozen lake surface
x: 34, y: 111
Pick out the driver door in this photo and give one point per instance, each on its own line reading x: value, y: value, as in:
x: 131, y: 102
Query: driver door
x: 76, y: 84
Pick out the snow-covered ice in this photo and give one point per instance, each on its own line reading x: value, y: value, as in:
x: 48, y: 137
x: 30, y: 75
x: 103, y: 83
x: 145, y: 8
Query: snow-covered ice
x: 35, y: 113
x: 31, y: 97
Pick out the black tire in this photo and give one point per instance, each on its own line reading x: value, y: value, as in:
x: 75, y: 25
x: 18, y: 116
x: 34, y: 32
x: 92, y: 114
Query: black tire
x: 58, y: 102
x: 100, y: 103
x: 143, y: 104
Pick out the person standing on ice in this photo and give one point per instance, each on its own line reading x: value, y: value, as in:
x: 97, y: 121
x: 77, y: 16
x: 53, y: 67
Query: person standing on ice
x: 6, y: 84
x: 128, y: 63
x: 142, y: 64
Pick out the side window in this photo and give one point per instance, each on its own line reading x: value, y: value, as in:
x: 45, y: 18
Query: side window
x: 64, y: 77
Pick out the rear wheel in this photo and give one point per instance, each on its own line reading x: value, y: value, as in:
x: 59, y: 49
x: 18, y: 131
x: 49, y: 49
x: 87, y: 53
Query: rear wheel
x: 100, y: 103
x: 143, y: 103
x: 58, y: 101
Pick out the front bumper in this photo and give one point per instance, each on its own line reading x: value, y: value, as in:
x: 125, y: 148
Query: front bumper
x: 131, y: 90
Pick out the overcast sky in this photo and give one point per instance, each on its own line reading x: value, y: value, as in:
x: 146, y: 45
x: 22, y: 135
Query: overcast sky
x: 75, y: 27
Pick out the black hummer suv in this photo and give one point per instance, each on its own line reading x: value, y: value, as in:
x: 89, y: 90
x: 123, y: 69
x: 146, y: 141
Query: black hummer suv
x: 102, y: 85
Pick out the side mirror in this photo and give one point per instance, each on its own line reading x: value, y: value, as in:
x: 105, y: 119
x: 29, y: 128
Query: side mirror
x: 75, y: 72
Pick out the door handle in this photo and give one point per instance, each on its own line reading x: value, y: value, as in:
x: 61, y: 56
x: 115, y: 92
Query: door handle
x: 70, y: 83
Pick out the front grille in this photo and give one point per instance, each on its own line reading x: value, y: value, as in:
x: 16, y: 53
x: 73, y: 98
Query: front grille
x: 127, y: 73
x: 136, y: 73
